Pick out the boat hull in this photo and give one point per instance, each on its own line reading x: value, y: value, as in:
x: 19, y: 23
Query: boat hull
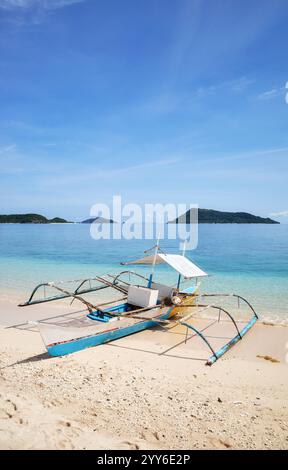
x: 63, y: 340
x: 68, y: 347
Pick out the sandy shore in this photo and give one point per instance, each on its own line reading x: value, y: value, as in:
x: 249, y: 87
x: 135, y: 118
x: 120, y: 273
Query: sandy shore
x: 142, y: 392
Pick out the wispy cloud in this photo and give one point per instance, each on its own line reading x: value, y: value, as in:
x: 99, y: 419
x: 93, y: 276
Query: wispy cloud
x: 7, y: 149
x: 233, y: 163
x: 92, y: 173
x: 155, y: 163
x: 279, y: 214
x: 23, y: 126
x: 71, y: 172
x: 271, y: 94
x: 11, y: 5
x: 21, y: 12
x: 172, y: 101
x: 254, y: 154
x: 237, y: 85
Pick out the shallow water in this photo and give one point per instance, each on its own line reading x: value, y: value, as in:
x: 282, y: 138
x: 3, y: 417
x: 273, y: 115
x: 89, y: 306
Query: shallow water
x: 251, y: 260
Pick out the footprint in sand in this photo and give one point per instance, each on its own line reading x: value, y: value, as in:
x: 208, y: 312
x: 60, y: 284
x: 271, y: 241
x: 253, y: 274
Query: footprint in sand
x: 7, y: 409
x: 220, y: 443
x: 150, y: 438
x: 64, y: 444
x: 62, y: 437
x: 131, y: 445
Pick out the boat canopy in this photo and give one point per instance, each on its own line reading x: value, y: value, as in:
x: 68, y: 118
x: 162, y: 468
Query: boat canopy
x: 180, y: 263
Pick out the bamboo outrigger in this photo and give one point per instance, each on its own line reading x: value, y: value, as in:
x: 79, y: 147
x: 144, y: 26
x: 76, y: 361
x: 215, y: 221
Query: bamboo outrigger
x: 139, y: 307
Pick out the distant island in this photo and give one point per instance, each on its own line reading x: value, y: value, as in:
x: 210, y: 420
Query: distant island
x: 210, y: 216
x: 98, y: 220
x: 30, y: 219
x: 205, y: 216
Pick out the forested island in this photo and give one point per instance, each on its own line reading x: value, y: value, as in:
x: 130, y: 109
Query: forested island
x: 30, y: 219
x: 205, y: 216
x: 98, y: 220
x: 210, y: 216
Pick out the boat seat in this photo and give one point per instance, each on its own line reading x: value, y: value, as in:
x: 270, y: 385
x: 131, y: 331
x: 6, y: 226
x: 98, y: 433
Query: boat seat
x: 142, y: 296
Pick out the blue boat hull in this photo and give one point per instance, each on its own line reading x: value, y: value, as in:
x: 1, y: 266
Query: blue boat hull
x: 62, y: 349
x: 71, y: 346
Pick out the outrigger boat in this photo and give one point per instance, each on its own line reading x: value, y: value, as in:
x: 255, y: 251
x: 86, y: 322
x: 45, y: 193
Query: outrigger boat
x: 143, y: 304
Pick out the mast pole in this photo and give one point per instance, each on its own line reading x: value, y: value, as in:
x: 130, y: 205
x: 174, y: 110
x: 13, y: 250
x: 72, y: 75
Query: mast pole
x: 154, y: 262
x: 183, y: 254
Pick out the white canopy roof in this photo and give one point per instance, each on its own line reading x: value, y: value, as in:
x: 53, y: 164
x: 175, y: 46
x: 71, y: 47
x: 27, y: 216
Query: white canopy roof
x: 180, y: 263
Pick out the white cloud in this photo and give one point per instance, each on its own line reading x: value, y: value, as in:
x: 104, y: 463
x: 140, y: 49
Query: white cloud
x: 270, y: 94
x: 23, y: 12
x: 24, y: 126
x: 172, y: 101
x: 237, y: 85
x: 90, y: 173
x: 11, y: 5
x: 8, y: 148
x: 241, y: 84
x: 249, y: 155
x: 55, y: 4
x: 280, y: 214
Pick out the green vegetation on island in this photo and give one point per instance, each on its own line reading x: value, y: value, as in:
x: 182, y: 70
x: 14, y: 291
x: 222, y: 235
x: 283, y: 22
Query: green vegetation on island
x: 98, y: 220
x: 205, y: 216
x: 30, y: 219
x: 209, y: 216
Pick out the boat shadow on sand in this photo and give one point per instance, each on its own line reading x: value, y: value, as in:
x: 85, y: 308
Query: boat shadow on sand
x: 176, y: 339
x: 37, y: 358
x: 197, y: 353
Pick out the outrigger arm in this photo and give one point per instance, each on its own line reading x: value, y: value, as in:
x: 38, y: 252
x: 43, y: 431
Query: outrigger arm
x: 217, y: 354
x: 75, y: 294
x: 122, y: 286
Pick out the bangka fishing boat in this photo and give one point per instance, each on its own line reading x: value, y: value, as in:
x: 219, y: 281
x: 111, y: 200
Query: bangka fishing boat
x: 143, y: 304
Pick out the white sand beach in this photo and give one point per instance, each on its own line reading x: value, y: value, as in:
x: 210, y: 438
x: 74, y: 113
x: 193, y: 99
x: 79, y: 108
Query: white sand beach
x: 141, y: 392
x: 143, y: 184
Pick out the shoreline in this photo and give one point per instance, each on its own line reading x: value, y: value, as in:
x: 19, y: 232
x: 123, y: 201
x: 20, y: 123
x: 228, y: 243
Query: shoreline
x: 11, y: 297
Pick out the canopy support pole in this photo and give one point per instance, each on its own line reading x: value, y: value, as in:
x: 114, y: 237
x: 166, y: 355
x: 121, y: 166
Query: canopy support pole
x: 154, y: 262
x: 183, y: 254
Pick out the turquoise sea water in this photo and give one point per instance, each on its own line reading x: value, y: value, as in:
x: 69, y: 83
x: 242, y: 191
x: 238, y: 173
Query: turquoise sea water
x: 251, y: 260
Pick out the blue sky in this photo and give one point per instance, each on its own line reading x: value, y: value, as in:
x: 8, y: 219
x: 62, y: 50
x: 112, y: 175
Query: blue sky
x: 159, y: 101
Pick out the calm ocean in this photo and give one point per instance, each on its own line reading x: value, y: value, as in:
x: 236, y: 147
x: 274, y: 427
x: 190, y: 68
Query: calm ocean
x: 251, y: 260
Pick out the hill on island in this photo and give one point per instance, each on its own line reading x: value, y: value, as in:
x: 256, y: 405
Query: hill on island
x: 98, y: 220
x: 30, y: 219
x: 209, y: 216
